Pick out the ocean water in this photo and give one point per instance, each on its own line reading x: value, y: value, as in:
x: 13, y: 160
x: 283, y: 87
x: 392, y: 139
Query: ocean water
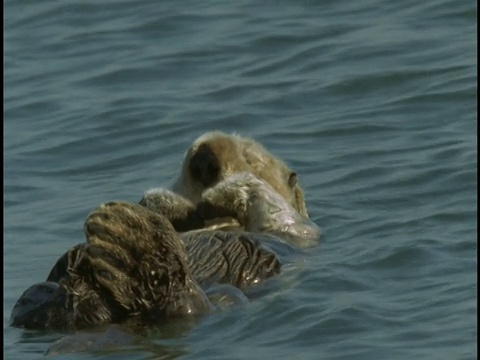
x: 372, y: 102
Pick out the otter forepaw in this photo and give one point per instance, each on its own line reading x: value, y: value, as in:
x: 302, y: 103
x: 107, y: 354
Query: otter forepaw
x: 177, y: 209
x: 228, y: 198
x: 108, y: 272
x: 130, y: 227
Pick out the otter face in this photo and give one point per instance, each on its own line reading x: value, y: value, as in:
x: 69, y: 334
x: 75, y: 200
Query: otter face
x: 31, y: 301
x: 216, y: 156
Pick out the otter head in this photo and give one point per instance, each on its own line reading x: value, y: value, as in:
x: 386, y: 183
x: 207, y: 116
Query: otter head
x: 215, y: 156
x: 30, y: 310
x: 212, y: 158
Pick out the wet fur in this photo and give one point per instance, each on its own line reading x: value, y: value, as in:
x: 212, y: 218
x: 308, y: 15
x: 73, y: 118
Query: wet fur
x: 133, y: 264
x: 179, y: 211
x: 229, y: 257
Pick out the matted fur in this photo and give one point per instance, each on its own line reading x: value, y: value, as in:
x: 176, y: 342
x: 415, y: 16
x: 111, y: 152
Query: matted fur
x: 132, y: 264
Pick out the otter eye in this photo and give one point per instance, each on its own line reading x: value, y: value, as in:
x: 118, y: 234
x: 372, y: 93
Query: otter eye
x: 292, y: 179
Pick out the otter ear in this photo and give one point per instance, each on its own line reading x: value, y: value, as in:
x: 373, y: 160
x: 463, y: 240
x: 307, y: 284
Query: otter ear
x: 292, y: 179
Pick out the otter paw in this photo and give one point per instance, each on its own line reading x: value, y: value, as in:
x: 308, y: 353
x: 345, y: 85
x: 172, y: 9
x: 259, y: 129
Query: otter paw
x: 114, y: 272
x: 178, y: 210
x: 130, y: 227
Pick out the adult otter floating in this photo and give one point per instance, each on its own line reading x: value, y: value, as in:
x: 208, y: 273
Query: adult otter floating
x: 100, y: 262
x: 132, y: 265
x: 115, y: 275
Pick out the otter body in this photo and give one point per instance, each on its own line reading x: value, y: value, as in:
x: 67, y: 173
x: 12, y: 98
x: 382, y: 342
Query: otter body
x: 133, y: 264
x: 160, y: 258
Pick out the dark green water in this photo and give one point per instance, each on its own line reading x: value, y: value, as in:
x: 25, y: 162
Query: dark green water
x: 373, y: 103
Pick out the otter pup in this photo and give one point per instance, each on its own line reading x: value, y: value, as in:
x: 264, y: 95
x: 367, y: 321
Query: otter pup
x: 133, y: 264
x: 215, y: 156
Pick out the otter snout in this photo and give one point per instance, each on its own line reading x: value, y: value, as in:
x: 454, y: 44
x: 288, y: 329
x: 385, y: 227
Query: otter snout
x: 204, y: 166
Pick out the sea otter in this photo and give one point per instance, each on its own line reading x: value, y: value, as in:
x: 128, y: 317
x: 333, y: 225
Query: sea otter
x: 135, y: 264
x: 215, y: 156
x: 90, y: 278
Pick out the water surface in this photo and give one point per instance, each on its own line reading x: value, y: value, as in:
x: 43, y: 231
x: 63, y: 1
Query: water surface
x: 373, y: 103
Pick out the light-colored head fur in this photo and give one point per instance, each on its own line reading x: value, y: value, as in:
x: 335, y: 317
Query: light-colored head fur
x: 215, y: 156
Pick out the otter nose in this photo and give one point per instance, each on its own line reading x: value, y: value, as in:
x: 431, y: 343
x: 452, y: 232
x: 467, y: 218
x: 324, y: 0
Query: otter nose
x: 204, y: 166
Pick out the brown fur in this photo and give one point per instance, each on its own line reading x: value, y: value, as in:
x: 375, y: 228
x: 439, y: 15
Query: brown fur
x: 215, y: 156
x: 178, y: 210
x: 229, y: 257
x: 133, y: 264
